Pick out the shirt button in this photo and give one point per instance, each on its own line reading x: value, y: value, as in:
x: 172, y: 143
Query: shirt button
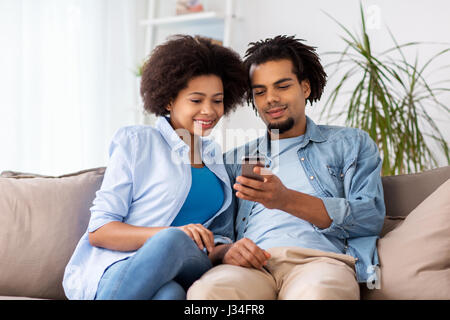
x: 311, y: 177
x: 342, y: 175
x: 356, y: 259
x: 243, y: 219
x: 303, y: 159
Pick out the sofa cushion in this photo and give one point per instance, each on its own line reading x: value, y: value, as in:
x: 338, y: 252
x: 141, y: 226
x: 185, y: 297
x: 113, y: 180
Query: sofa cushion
x: 390, y: 223
x: 41, y: 222
x: 415, y: 256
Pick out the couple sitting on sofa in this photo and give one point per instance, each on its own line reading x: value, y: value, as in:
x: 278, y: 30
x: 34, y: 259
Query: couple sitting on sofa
x: 173, y: 219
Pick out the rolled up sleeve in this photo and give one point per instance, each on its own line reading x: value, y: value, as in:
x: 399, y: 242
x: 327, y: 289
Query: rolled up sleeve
x: 362, y: 211
x: 114, y: 198
x: 218, y: 239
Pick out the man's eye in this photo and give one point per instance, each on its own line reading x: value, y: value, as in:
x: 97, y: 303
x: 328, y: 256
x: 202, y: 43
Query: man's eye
x: 196, y: 100
x: 258, y: 93
x: 284, y: 87
x: 218, y: 101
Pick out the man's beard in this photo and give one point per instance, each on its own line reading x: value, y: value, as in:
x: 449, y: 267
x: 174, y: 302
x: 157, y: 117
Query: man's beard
x: 282, y: 127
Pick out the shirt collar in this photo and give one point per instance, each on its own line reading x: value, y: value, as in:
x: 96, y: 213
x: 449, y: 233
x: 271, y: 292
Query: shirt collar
x: 167, y: 132
x: 312, y: 133
x: 177, y: 144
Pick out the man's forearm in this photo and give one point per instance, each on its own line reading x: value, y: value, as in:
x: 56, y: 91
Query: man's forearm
x: 306, y: 207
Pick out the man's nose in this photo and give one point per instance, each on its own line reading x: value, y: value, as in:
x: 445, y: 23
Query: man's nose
x: 272, y: 97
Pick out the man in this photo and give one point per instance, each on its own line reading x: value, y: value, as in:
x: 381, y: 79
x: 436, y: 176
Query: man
x: 309, y: 230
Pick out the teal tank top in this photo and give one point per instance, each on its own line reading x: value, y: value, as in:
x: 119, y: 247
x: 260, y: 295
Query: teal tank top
x: 205, y: 198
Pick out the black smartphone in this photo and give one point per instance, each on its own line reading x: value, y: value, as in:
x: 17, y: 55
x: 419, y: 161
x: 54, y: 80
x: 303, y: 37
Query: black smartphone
x: 249, y: 162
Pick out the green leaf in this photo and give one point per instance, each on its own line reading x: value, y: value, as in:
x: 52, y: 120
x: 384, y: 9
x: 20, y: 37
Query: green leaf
x: 390, y: 98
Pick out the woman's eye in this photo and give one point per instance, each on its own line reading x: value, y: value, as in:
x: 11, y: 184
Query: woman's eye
x: 218, y: 101
x: 258, y: 93
x: 196, y: 100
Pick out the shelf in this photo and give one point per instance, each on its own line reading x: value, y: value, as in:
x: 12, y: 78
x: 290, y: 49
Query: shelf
x: 189, y: 17
x: 213, y: 24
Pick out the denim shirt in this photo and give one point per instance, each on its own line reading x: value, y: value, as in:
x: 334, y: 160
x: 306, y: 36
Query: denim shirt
x: 147, y: 180
x: 344, y: 168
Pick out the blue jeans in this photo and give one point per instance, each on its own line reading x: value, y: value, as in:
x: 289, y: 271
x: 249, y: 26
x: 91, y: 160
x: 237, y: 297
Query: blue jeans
x: 162, y: 269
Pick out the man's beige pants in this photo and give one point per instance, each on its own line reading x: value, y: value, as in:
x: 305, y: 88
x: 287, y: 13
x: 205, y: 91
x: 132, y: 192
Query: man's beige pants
x: 291, y: 273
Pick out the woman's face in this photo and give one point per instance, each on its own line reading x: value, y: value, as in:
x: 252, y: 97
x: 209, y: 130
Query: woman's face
x: 198, y: 107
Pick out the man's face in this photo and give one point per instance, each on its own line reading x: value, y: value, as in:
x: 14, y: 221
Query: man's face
x: 279, y: 97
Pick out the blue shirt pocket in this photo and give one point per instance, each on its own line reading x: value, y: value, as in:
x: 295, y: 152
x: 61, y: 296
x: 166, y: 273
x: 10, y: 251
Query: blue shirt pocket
x: 336, y: 176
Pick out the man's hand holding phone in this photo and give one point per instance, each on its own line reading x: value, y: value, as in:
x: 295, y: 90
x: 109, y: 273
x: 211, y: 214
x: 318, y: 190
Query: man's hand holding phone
x: 259, y: 184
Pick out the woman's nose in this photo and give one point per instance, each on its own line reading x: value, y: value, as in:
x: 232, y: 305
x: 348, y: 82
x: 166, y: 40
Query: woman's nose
x: 207, y: 108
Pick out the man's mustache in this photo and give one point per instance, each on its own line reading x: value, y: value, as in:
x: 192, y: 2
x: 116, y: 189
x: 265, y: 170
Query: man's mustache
x: 275, y: 106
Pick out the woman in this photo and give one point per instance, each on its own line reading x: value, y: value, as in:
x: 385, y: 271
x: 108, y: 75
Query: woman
x: 162, y: 206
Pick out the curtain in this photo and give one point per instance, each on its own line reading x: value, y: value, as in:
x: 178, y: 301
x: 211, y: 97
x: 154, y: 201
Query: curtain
x: 67, y: 81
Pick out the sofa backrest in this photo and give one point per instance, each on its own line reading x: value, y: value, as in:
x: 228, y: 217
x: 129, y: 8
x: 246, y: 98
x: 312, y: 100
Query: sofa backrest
x: 403, y: 193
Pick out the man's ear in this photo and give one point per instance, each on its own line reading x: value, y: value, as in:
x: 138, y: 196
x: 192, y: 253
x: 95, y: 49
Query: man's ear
x: 306, y: 87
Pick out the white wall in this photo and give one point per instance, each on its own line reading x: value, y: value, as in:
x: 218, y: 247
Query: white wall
x: 409, y: 20
x: 66, y: 81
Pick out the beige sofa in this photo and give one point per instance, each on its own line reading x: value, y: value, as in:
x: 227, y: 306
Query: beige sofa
x: 42, y: 219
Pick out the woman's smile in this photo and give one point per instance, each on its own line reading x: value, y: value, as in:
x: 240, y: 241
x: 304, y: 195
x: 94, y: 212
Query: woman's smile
x: 204, y: 124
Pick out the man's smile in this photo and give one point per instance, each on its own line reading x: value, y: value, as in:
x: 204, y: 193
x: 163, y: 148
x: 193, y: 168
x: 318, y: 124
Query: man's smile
x: 276, y: 112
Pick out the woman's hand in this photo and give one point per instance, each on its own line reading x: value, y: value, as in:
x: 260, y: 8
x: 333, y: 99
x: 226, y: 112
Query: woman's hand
x: 201, y: 236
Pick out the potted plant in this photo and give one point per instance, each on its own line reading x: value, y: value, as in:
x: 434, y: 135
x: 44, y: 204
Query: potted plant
x: 391, y: 100
x: 142, y: 116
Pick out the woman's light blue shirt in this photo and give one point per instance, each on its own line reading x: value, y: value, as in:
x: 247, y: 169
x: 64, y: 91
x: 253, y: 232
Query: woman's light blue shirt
x: 147, y: 181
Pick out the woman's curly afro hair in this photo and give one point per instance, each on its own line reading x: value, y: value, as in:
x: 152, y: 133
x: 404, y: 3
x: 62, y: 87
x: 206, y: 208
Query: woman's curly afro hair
x: 175, y: 62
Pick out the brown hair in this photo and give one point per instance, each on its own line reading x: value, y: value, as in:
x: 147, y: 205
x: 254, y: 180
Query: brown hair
x: 173, y: 63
